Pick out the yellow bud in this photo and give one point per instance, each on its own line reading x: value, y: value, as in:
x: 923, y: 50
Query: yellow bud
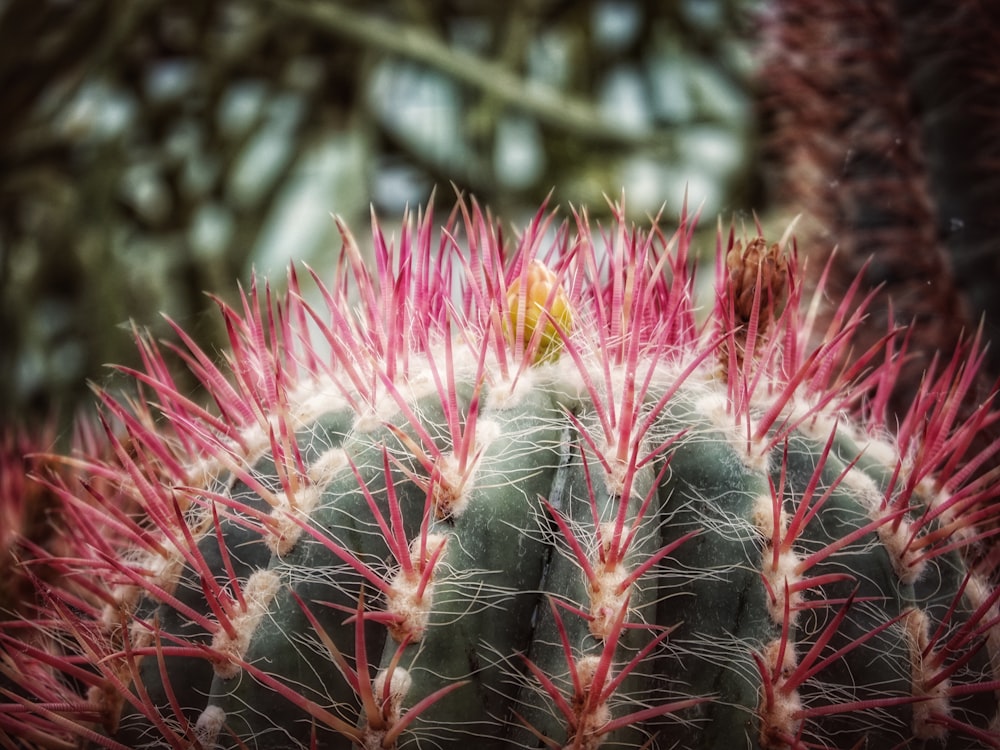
x: 541, y: 282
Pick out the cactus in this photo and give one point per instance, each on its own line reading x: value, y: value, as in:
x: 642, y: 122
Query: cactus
x: 525, y: 497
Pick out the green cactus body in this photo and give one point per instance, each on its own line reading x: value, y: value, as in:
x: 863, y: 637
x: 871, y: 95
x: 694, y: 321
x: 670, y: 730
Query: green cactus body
x: 595, y: 524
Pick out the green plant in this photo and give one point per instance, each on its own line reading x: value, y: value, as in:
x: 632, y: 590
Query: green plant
x: 525, y: 498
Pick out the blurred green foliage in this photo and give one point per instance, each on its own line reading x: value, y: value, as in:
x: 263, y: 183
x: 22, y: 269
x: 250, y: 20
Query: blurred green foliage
x: 153, y: 150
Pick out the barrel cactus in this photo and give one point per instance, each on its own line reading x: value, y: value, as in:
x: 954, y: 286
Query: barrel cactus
x: 525, y: 494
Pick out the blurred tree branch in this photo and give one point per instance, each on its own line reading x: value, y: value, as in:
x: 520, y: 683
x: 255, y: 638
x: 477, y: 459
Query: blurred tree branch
x: 573, y: 116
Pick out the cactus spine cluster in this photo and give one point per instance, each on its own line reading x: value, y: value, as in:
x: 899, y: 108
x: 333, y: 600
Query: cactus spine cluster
x: 522, y: 496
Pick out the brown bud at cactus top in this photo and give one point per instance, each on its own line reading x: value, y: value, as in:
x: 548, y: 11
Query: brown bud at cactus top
x: 755, y: 287
x: 758, y: 279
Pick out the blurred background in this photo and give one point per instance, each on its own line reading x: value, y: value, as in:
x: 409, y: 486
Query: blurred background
x: 154, y: 150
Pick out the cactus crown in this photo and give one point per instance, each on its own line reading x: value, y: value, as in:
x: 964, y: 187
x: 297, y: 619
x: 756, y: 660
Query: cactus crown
x: 525, y: 497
